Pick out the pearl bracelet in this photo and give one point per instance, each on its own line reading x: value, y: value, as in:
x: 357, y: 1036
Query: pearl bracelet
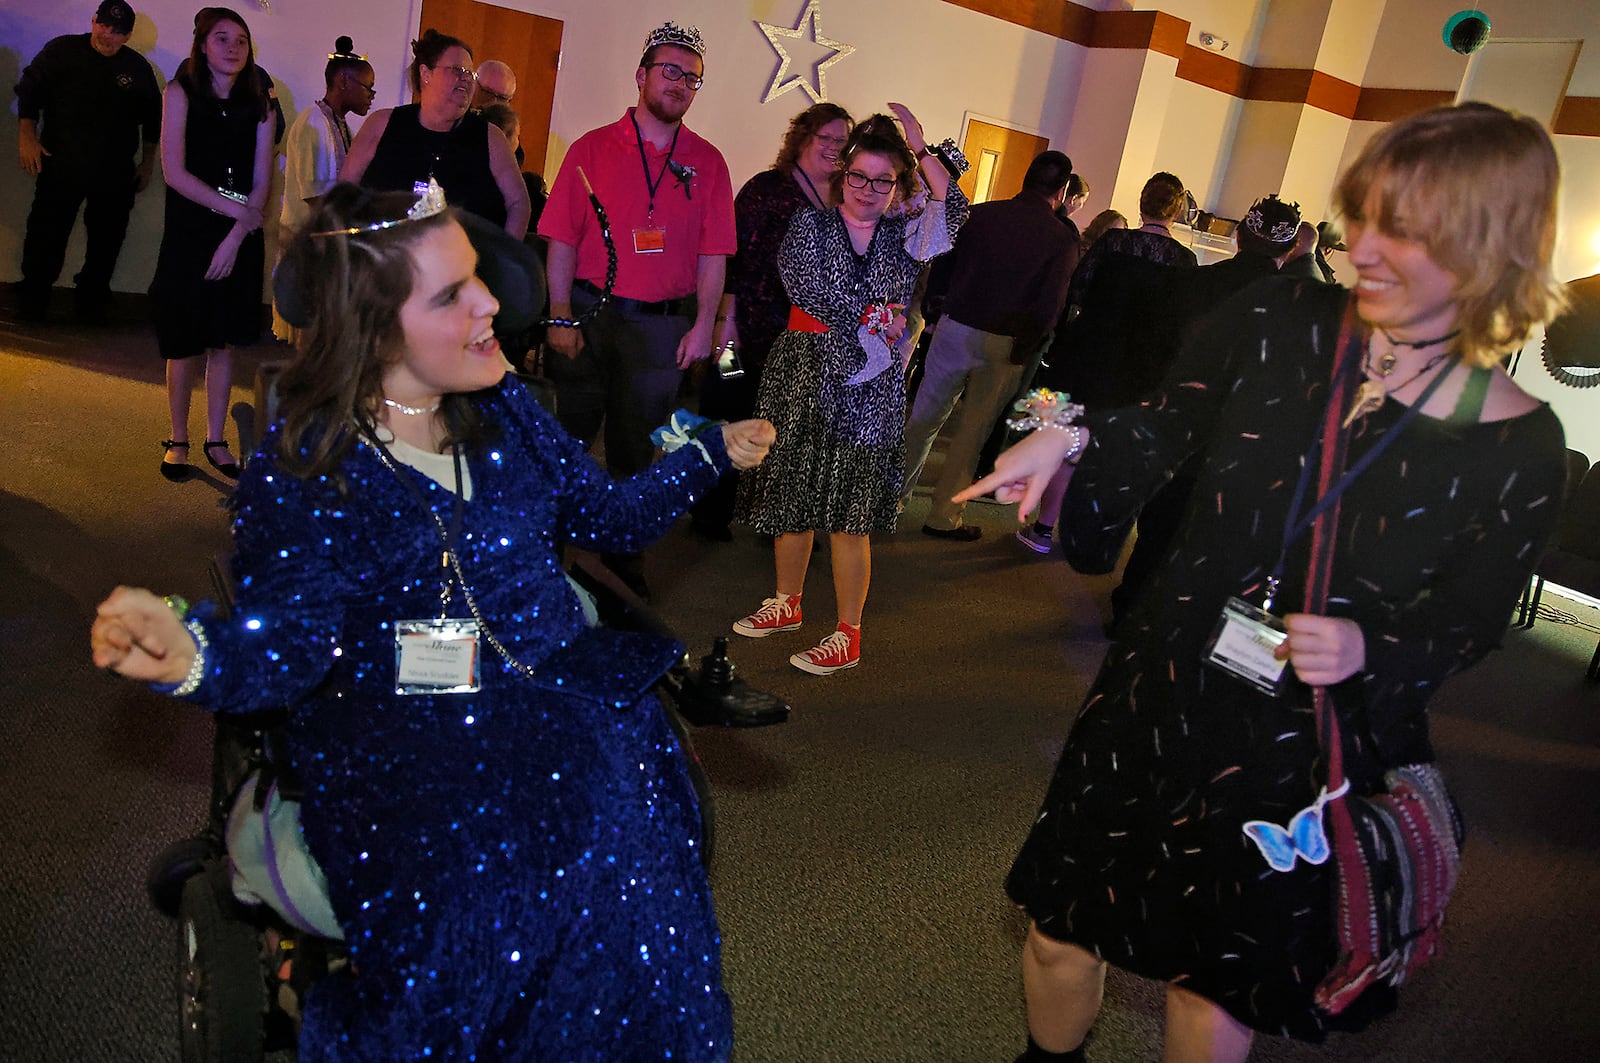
x: 1075, y: 451
x: 197, y: 667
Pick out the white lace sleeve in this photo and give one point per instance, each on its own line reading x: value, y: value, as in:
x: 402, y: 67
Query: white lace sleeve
x: 928, y: 234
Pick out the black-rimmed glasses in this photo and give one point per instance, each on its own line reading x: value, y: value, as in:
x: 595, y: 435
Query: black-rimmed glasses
x: 881, y: 185
x: 674, y: 72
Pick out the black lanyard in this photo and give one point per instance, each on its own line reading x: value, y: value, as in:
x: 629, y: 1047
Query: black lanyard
x: 1297, y: 525
x: 652, y: 185
x: 448, y: 538
x: 822, y: 204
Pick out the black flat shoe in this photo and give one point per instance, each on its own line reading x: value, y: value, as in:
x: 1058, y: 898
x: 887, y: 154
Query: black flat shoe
x: 964, y: 533
x: 176, y: 471
x: 229, y: 469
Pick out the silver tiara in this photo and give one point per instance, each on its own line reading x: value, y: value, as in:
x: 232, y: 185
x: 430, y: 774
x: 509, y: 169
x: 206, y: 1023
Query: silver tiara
x: 682, y: 36
x: 428, y: 204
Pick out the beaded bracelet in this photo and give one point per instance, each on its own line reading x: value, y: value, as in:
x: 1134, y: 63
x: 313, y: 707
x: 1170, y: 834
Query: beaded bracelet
x: 197, y: 667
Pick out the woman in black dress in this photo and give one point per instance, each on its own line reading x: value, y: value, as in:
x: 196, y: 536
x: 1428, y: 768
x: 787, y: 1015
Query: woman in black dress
x: 438, y: 138
x: 216, y: 154
x: 1139, y: 856
x: 755, y: 308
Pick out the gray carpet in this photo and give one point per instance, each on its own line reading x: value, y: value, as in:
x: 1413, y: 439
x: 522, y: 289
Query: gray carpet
x: 861, y: 846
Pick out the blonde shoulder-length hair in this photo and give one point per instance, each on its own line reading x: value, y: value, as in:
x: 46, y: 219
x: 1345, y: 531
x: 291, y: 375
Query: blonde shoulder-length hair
x: 1477, y: 186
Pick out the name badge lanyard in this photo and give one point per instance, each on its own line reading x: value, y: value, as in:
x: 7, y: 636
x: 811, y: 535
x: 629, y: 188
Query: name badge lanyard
x: 652, y: 184
x: 448, y: 538
x: 452, y: 567
x: 1297, y: 525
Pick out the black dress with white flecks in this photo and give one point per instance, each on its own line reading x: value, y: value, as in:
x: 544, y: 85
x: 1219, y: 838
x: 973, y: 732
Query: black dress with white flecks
x: 1137, y: 852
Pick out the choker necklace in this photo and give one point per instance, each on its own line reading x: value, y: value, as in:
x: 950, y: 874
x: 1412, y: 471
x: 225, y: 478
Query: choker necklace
x: 1387, y: 361
x: 413, y: 411
x: 1371, y: 393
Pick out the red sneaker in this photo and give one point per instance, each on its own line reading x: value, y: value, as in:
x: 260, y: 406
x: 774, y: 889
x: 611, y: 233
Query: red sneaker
x: 781, y: 613
x: 842, y: 649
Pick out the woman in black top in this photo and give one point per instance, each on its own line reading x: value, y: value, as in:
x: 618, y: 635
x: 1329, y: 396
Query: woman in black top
x: 216, y: 150
x: 1147, y: 852
x: 438, y: 137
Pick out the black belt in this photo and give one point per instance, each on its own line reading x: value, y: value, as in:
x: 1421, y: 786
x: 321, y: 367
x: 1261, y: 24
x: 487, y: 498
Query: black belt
x: 663, y: 308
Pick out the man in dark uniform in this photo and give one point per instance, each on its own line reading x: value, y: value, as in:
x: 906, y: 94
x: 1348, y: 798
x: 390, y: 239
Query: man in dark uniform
x: 82, y: 104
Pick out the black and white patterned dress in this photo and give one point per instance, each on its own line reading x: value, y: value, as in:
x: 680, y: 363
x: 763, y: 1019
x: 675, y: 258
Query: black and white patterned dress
x: 1137, y: 853
x: 836, y: 465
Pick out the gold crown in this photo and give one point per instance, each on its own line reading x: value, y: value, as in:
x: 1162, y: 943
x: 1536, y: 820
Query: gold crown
x: 428, y: 204
x: 682, y: 36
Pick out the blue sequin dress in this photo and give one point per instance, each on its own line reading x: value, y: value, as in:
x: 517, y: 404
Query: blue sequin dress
x: 516, y: 870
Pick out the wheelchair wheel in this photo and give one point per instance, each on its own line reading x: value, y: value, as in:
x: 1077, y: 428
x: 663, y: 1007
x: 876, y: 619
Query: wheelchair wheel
x: 222, y: 996
x: 172, y: 869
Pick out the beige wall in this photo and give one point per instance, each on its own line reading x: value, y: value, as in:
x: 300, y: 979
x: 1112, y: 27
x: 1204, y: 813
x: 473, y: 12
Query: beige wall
x: 1120, y: 114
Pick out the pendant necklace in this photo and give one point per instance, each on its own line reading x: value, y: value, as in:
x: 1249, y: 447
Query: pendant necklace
x: 1374, y: 389
x: 413, y: 411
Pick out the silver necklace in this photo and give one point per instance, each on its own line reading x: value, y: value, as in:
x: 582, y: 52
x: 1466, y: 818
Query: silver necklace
x: 413, y: 411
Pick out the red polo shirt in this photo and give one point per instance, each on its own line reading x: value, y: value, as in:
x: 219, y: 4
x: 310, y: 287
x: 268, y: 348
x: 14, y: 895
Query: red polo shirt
x: 697, y: 223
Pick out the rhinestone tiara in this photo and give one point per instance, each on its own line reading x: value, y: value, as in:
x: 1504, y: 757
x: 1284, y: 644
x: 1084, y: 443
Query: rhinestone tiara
x: 428, y: 204
x: 682, y: 36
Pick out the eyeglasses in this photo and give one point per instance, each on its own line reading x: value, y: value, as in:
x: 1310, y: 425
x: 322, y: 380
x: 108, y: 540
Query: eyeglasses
x: 881, y: 185
x: 460, y: 73
x: 832, y: 142
x: 674, y: 72
x: 498, y: 97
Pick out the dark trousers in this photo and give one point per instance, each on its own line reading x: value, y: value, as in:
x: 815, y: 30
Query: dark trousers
x: 625, y: 380
x: 106, y: 198
x: 723, y: 399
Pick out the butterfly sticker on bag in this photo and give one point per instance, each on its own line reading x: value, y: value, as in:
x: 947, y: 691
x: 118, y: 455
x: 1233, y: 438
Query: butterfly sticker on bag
x: 1305, y: 839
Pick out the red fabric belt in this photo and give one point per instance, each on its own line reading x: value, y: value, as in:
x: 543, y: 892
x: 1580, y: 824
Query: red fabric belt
x: 800, y: 321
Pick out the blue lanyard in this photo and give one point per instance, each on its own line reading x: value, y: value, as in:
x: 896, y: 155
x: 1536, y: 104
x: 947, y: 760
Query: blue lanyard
x: 1297, y: 525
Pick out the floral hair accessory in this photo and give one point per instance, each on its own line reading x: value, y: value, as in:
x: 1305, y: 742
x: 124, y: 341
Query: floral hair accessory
x: 429, y: 203
x: 1043, y: 408
x: 674, y: 34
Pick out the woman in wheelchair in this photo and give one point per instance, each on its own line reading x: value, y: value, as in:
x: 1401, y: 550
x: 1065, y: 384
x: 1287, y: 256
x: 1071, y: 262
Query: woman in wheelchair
x: 496, y: 798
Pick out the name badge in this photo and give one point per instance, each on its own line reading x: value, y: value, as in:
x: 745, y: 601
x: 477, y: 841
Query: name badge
x: 1242, y: 644
x: 436, y: 656
x: 649, y: 241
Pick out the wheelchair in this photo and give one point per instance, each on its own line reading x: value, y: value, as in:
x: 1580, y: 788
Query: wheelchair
x: 255, y: 930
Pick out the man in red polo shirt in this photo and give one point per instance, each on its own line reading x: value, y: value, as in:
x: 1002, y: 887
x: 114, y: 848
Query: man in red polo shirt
x: 667, y: 194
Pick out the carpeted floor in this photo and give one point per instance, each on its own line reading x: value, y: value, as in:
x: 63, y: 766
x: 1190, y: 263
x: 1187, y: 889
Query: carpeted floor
x: 861, y: 846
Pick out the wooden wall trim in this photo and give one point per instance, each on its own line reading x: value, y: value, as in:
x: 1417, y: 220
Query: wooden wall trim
x: 1390, y: 105
x: 1063, y: 20
x: 1579, y: 117
x: 1213, y: 71
x: 1157, y: 31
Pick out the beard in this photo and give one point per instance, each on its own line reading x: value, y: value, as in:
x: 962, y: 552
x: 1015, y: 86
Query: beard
x: 666, y: 109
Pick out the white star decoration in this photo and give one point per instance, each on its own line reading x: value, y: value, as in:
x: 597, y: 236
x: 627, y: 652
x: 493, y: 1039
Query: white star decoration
x: 808, y: 29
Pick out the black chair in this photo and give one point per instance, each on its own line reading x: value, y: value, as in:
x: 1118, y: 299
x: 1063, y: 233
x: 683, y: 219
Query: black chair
x: 1573, y: 557
x: 1577, y: 469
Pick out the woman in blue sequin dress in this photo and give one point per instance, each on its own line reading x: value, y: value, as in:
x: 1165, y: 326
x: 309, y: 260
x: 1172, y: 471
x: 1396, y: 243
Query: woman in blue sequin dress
x: 514, y: 868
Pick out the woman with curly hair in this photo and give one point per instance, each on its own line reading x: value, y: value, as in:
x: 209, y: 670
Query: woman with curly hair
x: 755, y: 308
